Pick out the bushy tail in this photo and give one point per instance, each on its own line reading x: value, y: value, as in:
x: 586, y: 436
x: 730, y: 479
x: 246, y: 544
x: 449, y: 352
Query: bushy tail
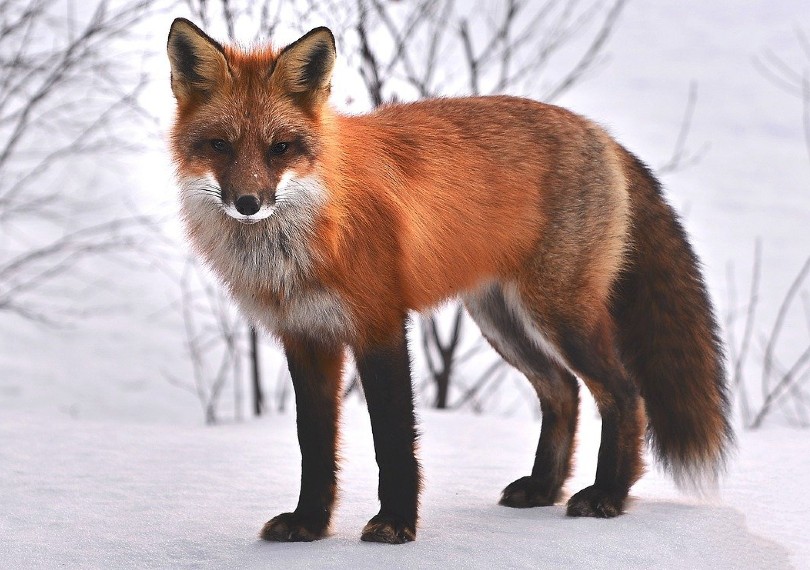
x: 669, y: 340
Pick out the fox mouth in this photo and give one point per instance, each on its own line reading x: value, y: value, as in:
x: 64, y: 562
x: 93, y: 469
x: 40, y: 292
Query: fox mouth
x: 263, y: 213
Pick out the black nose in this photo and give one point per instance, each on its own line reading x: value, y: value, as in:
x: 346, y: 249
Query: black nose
x: 247, y: 205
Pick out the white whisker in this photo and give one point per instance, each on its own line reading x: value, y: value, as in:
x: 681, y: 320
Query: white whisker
x: 201, y: 189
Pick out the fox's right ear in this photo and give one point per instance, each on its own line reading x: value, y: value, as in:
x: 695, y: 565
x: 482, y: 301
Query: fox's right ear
x: 198, y: 62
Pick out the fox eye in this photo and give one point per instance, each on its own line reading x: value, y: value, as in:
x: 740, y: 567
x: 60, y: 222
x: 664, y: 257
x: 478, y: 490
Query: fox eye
x: 219, y: 145
x: 279, y: 148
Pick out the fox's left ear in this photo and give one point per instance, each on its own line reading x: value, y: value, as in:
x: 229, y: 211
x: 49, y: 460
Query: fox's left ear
x: 304, y: 68
x: 198, y: 62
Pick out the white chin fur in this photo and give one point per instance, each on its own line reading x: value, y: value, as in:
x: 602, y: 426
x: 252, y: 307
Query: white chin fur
x: 263, y: 213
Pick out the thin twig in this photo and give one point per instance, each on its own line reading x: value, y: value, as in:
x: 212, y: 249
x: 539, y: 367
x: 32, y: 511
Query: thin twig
x: 681, y: 158
x: 738, y: 358
x: 781, y: 314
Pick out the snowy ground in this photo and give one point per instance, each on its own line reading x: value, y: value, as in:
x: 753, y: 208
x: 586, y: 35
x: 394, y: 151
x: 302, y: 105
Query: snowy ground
x: 80, y: 493
x: 103, y: 463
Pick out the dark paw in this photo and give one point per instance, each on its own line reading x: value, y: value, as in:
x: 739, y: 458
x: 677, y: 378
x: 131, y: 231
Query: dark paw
x: 292, y: 527
x: 595, y: 502
x: 527, y: 492
x: 388, y: 529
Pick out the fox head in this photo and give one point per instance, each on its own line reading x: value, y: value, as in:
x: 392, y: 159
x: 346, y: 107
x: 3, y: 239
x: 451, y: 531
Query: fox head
x: 246, y: 134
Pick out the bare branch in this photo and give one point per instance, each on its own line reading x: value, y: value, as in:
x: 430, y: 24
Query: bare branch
x: 779, y: 72
x: 738, y: 357
x: 77, y: 239
x: 472, y: 61
x: 370, y: 68
x: 589, y: 58
x: 229, y: 16
x: 402, y: 39
x: 427, y: 343
x: 786, y: 381
x: 681, y: 158
x: 792, y: 80
x: 481, y: 382
x: 773, y: 338
x: 806, y: 113
x: 206, y: 313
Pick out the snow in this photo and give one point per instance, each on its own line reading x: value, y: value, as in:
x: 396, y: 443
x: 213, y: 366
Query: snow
x: 104, y: 464
x: 101, y: 494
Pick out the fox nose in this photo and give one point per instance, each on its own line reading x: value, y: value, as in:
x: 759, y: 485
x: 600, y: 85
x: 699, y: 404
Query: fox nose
x: 247, y: 205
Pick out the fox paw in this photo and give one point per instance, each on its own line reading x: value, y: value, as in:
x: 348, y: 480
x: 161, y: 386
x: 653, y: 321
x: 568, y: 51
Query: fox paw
x: 292, y: 527
x: 595, y: 502
x: 388, y: 529
x: 527, y: 492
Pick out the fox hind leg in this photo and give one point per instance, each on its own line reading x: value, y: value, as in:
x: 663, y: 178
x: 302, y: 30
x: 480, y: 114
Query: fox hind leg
x: 594, y: 357
x: 552, y: 460
x: 556, y: 388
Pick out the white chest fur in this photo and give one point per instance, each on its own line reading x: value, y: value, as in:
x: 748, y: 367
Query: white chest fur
x: 272, y: 256
x: 316, y: 313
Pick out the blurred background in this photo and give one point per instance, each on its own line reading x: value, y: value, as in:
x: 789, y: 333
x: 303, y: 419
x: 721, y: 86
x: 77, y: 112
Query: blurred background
x: 105, y: 315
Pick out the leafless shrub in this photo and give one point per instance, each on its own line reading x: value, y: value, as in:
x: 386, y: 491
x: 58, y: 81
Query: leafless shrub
x: 424, y: 48
x: 24, y: 275
x: 214, y: 341
x: 682, y: 157
x: 792, y: 78
x: 65, y: 103
x: 783, y: 386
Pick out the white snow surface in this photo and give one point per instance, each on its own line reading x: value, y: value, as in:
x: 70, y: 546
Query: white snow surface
x: 93, y: 494
x: 103, y: 464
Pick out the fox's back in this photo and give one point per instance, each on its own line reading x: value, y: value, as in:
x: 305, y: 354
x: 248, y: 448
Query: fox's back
x: 482, y: 187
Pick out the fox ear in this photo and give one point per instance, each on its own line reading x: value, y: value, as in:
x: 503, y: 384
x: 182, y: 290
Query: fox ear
x: 305, y: 66
x: 198, y: 62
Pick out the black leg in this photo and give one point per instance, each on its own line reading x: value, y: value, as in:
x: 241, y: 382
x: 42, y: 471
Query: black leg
x: 559, y: 402
x: 316, y: 373
x: 619, y: 463
x: 386, y: 376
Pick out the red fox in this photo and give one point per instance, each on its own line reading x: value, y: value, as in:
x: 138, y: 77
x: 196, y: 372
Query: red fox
x: 329, y: 229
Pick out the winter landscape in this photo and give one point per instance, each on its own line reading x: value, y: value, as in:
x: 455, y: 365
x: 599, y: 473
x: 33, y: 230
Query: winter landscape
x: 105, y: 458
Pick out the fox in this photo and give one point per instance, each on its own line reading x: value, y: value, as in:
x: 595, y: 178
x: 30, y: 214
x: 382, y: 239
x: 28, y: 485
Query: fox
x: 329, y: 230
